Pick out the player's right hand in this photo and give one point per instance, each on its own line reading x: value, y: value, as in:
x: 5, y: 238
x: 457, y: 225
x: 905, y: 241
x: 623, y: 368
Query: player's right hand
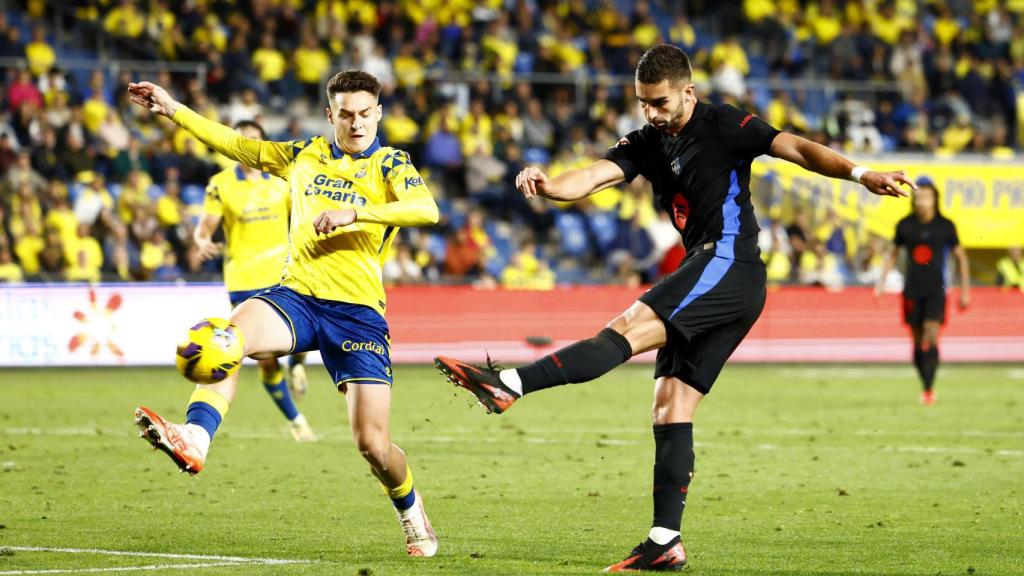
x: 153, y: 98
x: 532, y: 182
x: 207, y: 249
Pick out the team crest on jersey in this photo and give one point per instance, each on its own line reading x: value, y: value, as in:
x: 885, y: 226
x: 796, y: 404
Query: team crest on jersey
x: 677, y: 166
x: 362, y: 171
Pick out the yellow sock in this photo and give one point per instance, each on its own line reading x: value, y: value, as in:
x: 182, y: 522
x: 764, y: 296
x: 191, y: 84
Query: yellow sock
x: 402, y: 495
x: 206, y: 408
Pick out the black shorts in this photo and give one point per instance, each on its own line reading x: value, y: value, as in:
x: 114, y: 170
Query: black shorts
x: 918, y: 309
x: 708, y: 305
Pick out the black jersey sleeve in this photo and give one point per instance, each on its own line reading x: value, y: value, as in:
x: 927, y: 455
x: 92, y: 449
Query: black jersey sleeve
x: 952, y: 238
x: 744, y: 132
x: 628, y: 153
x: 901, y: 234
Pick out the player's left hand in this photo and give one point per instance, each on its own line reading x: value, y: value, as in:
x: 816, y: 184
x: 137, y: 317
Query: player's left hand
x: 887, y: 183
x: 965, y: 301
x: 329, y: 220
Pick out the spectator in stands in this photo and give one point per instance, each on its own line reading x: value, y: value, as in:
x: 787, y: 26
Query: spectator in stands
x: 537, y: 129
x: 22, y: 174
x: 93, y: 203
x: 52, y: 264
x: 125, y: 20
x: 84, y: 256
x: 39, y: 53
x: 442, y: 154
x: 463, y: 257
x: 9, y: 269
x: 1010, y: 269
x: 526, y: 271
x: 312, y: 63
x: 402, y: 268
x: 798, y: 233
x: 270, y: 66
x: 23, y: 92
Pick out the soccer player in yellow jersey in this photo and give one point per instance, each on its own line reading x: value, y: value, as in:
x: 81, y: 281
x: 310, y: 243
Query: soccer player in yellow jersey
x: 349, y: 194
x: 254, y: 207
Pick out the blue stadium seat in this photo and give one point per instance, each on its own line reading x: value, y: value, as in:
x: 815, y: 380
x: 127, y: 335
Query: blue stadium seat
x: 115, y: 190
x: 536, y: 156
x: 572, y: 227
x: 192, y: 194
x: 603, y: 225
x: 74, y: 191
x: 524, y: 63
x: 155, y: 191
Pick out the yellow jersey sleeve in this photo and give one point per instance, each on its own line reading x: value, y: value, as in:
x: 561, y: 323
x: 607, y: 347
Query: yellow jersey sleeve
x: 273, y: 157
x: 413, y: 205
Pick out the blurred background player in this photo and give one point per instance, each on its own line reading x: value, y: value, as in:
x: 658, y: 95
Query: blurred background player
x: 927, y: 237
x: 254, y: 208
x: 349, y: 195
x: 697, y: 157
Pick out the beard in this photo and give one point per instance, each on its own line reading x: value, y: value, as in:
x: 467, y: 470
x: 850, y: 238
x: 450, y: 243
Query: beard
x: 675, y: 121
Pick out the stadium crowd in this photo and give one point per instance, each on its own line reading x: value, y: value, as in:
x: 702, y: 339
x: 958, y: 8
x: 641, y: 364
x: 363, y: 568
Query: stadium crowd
x: 92, y: 188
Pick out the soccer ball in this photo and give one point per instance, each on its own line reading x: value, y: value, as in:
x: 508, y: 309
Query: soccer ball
x: 210, y: 351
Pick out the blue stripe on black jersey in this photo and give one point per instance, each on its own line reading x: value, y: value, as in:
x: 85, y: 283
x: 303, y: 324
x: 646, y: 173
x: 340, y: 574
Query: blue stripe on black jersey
x: 724, y: 248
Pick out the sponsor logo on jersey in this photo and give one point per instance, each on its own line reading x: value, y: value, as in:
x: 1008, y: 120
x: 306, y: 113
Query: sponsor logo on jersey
x: 332, y: 188
x: 375, y: 347
x: 362, y: 171
x: 413, y: 181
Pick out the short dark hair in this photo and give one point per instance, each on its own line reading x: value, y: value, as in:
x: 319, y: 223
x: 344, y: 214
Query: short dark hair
x: 251, y: 124
x: 352, y: 81
x: 662, y: 62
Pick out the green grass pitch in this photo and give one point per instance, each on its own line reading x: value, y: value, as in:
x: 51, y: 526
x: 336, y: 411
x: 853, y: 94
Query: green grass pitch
x: 800, y: 471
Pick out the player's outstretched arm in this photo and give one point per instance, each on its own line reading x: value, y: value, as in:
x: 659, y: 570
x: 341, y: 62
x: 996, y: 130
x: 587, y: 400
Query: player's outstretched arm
x: 221, y: 138
x: 827, y: 162
x: 572, y: 184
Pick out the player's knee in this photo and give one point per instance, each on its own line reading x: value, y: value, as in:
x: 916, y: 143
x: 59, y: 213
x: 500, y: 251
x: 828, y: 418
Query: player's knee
x: 674, y: 401
x: 375, y: 448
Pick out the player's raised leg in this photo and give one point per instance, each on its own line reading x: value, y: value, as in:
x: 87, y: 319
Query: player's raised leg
x: 636, y: 330
x: 265, y: 335
x: 369, y: 406
x: 272, y: 376
x: 674, y: 405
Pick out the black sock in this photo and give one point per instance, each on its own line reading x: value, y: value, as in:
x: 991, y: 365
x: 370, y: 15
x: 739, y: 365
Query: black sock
x: 673, y: 468
x: 918, y: 357
x: 580, y: 362
x: 929, y: 365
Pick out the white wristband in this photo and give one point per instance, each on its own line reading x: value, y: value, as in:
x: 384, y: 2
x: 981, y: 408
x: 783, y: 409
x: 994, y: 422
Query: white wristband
x: 857, y: 172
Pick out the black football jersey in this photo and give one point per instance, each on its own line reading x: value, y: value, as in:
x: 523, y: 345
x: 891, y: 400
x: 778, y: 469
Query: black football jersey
x: 701, y: 177
x: 927, y: 251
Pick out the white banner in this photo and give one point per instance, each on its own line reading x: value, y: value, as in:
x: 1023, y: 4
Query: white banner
x: 108, y: 325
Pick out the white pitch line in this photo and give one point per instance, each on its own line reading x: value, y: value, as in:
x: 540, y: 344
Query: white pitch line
x: 126, y: 568
x: 214, y: 558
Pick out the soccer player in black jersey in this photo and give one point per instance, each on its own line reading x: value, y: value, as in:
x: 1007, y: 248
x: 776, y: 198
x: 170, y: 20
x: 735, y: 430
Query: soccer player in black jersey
x: 928, y: 237
x: 697, y: 157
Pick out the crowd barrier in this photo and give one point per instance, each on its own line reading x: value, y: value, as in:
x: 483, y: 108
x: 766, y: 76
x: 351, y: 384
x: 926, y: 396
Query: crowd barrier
x: 139, y: 324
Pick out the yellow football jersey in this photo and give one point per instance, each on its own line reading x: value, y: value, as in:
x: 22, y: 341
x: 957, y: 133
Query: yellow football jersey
x: 380, y: 183
x: 254, y: 214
